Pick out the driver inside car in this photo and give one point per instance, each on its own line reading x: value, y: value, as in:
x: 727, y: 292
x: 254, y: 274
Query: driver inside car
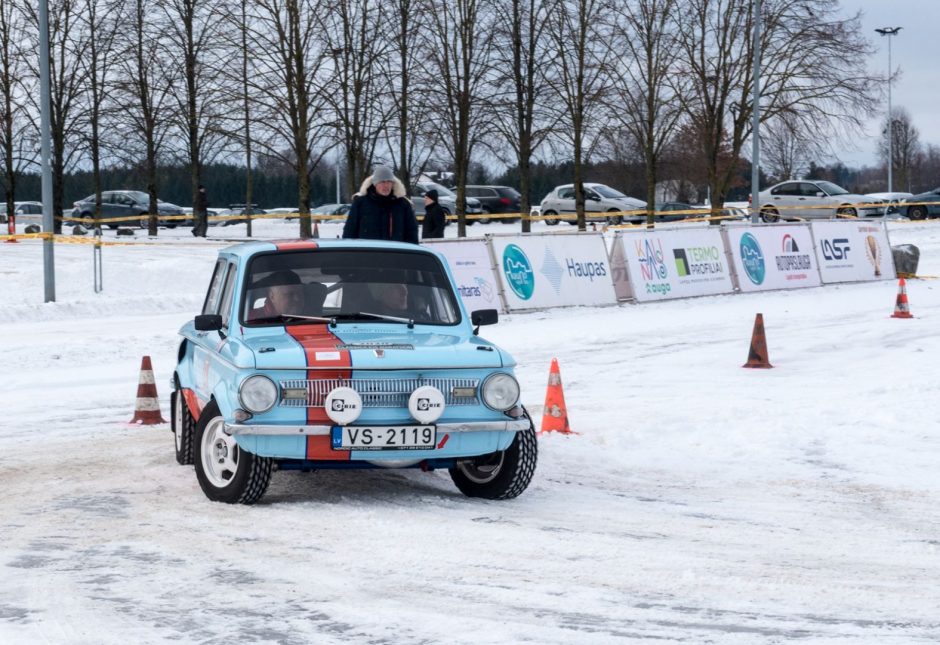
x: 284, y: 295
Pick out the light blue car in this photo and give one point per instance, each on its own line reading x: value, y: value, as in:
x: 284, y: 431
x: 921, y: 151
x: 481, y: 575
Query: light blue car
x: 344, y: 354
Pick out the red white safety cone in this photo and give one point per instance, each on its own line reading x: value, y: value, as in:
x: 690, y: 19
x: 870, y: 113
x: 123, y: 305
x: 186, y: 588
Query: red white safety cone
x: 147, y: 410
x: 902, y: 308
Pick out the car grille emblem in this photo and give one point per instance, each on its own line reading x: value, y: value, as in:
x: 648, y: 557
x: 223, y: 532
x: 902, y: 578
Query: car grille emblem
x: 379, y: 353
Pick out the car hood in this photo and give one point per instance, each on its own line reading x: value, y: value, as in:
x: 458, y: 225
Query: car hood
x: 372, y: 347
x: 630, y: 201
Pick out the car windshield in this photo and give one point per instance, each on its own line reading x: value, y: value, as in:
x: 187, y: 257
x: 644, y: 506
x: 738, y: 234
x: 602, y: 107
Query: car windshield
x: 831, y: 189
x: 441, y: 190
x: 348, y: 285
x: 606, y: 191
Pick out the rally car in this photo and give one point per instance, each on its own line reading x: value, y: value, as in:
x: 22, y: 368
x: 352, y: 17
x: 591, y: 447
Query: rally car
x: 344, y: 354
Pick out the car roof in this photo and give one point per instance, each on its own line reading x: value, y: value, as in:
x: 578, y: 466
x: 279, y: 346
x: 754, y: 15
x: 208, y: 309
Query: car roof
x: 249, y: 249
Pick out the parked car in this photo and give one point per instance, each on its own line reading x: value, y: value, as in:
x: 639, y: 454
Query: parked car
x: 320, y: 383
x: 496, y: 199
x: 22, y: 211
x: 598, y: 200
x: 445, y: 197
x: 923, y: 205
x: 672, y: 207
x: 816, y: 199
x: 229, y: 217
x: 331, y: 209
x: 130, y: 207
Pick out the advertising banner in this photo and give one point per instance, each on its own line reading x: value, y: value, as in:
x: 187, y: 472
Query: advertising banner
x: 853, y: 251
x: 777, y: 256
x: 553, y: 270
x: 676, y: 263
x: 470, y: 262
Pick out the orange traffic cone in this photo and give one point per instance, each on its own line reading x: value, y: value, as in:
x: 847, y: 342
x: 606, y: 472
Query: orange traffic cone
x: 555, y: 418
x: 757, y: 356
x: 147, y: 410
x: 316, y: 230
x: 901, y: 308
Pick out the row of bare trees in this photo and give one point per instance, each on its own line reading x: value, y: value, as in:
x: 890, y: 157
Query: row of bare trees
x: 418, y: 82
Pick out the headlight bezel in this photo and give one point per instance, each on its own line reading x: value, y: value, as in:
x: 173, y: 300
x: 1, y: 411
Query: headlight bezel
x: 494, y: 380
x: 257, y: 378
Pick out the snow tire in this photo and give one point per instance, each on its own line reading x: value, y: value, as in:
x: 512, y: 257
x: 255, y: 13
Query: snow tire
x: 224, y: 471
x: 183, y: 426
x: 500, y: 475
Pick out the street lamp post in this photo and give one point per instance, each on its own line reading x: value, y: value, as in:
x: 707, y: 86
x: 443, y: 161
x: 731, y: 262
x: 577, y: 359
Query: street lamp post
x: 755, y: 125
x: 889, y: 31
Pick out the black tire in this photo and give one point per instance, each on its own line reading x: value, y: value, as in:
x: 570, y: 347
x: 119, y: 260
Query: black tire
x: 847, y: 211
x: 917, y: 212
x: 552, y: 214
x: 499, y: 475
x: 485, y: 220
x: 769, y: 215
x: 225, y: 472
x: 112, y: 226
x: 614, y: 219
x: 88, y: 221
x: 183, y: 426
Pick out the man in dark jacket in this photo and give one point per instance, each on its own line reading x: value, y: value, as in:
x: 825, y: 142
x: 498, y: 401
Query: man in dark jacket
x: 201, y: 213
x: 434, y: 218
x: 381, y: 210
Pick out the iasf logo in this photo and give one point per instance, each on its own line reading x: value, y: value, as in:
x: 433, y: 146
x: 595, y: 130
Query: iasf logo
x: 518, y: 271
x: 752, y: 258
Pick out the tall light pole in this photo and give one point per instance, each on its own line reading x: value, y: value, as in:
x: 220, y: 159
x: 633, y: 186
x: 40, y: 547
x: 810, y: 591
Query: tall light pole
x: 890, y: 31
x: 755, y: 124
x: 45, y: 94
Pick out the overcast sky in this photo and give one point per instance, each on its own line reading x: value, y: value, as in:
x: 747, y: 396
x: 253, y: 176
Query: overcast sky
x: 913, y: 51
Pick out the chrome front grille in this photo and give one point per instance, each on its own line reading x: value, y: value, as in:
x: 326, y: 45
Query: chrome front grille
x: 378, y: 392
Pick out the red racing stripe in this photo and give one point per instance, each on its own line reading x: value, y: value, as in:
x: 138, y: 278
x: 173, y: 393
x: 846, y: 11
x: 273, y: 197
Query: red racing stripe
x: 320, y: 346
x: 295, y: 245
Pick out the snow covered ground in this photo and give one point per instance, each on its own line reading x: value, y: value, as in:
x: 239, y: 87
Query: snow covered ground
x: 701, y: 502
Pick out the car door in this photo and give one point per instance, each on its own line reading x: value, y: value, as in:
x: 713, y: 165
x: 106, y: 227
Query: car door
x: 564, y: 200
x: 594, y: 203
x: 811, y: 205
x: 786, y: 198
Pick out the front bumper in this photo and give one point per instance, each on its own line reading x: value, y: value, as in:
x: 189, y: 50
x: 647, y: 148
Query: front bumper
x: 236, y: 429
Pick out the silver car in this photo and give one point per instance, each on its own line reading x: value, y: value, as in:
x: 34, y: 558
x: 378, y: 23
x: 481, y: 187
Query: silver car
x: 445, y: 197
x: 601, y: 203
x: 817, y: 199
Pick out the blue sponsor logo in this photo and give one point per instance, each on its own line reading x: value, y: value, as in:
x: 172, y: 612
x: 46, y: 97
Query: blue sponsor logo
x: 518, y: 271
x: 753, y: 259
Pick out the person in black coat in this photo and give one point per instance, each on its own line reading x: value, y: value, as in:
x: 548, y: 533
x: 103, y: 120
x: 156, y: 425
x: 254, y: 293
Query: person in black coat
x: 434, y: 218
x: 381, y: 210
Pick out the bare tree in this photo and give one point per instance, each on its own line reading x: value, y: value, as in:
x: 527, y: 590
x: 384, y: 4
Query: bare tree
x: 13, y: 126
x: 786, y: 148
x: 522, y: 116
x: 193, y: 30
x: 905, y: 146
x: 579, y: 77
x: 462, y: 57
x: 286, y: 89
x: 812, y: 68
x: 645, y: 86
x: 67, y: 40
x: 143, y: 90
x: 357, y: 90
x: 101, y: 23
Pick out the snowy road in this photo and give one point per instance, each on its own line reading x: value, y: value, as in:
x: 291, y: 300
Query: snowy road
x: 700, y: 502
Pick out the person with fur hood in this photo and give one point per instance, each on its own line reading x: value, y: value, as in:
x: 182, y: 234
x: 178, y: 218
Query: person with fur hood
x: 381, y: 210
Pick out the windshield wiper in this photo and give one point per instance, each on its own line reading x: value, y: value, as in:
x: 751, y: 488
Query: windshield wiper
x: 365, y: 315
x: 288, y: 318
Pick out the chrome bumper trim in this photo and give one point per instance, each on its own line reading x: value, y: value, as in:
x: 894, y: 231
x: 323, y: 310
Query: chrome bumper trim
x: 293, y: 431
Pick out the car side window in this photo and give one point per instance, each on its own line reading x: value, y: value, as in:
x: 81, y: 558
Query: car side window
x: 787, y: 189
x: 228, y: 292
x: 473, y: 192
x: 566, y: 193
x: 210, y: 306
x: 809, y: 190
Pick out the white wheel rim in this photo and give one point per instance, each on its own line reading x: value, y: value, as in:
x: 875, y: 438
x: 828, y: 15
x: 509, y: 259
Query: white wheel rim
x: 178, y: 421
x: 219, y: 454
x: 482, y: 474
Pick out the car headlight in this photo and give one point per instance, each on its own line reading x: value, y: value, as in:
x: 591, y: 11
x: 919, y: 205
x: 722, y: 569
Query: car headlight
x: 500, y: 391
x: 257, y: 393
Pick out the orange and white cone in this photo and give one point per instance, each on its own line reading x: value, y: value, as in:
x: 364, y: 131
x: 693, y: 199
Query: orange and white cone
x: 901, y: 308
x: 147, y: 410
x: 757, y: 355
x: 555, y: 417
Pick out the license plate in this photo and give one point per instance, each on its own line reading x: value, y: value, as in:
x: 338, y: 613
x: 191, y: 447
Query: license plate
x: 384, y: 437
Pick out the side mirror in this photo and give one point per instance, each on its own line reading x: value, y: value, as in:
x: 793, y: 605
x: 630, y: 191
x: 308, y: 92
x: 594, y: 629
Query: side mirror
x: 820, y: 194
x: 208, y: 322
x: 484, y: 317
